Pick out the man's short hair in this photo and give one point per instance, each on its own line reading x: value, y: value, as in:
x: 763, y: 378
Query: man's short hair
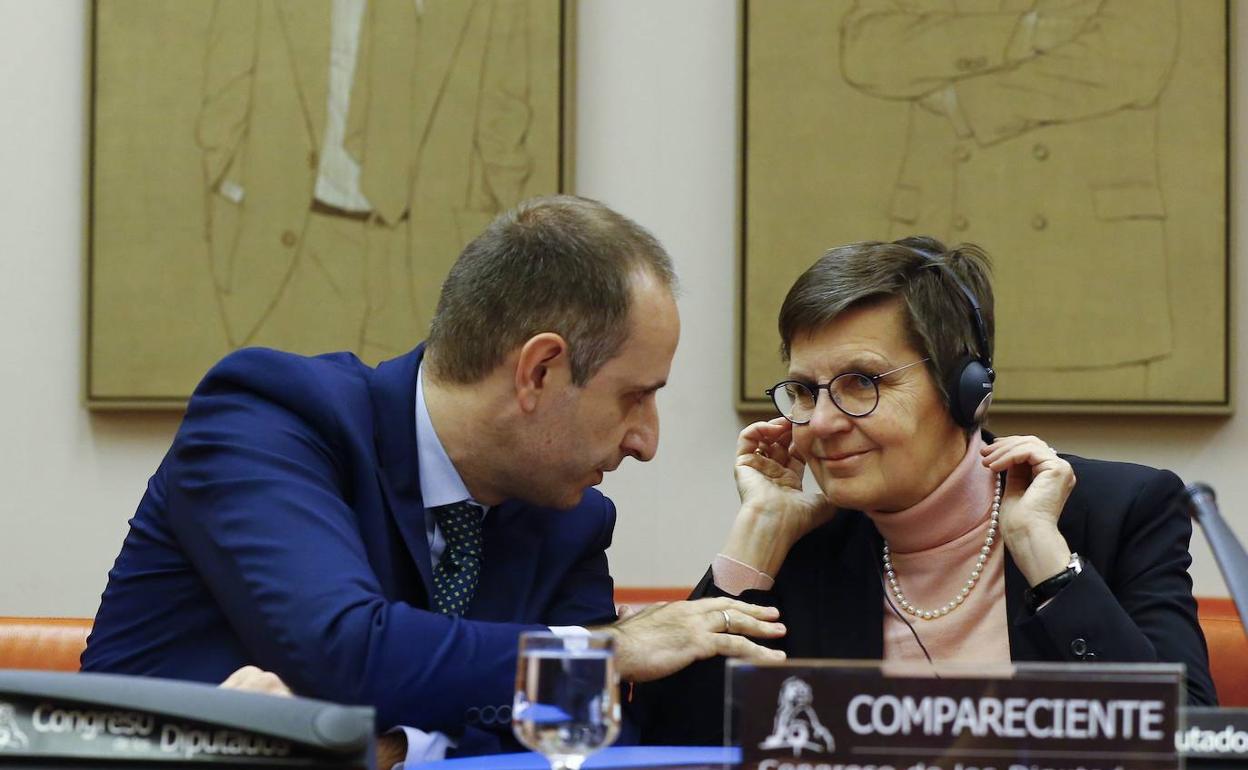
x: 938, y: 316
x: 561, y: 264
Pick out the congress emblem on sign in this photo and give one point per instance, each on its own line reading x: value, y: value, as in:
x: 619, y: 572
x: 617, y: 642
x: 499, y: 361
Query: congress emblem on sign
x: 796, y: 725
x: 11, y: 736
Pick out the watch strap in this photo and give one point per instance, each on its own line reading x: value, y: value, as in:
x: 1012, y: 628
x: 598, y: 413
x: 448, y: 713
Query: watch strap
x: 1050, y: 587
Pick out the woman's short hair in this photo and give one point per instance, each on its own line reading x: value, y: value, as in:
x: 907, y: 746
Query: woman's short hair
x: 938, y: 316
x: 561, y: 264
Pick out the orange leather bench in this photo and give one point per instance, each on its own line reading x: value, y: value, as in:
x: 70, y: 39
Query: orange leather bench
x: 48, y: 644
x: 54, y: 644
x: 1228, y: 649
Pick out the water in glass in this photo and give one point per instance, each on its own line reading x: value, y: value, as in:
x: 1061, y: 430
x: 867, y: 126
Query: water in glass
x: 567, y: 702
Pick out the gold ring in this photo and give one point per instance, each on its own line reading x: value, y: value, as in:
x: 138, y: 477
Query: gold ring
x: 727, y: 622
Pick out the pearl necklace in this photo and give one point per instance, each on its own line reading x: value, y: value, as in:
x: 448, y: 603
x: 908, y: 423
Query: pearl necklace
x: 966, y: 589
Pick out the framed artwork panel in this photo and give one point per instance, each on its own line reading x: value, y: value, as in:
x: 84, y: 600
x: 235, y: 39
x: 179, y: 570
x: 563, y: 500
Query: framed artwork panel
x: 1081, y: 143
x: 300, y: 174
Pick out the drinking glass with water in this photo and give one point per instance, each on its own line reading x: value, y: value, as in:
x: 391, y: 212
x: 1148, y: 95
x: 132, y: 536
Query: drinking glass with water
x: 567, y: 696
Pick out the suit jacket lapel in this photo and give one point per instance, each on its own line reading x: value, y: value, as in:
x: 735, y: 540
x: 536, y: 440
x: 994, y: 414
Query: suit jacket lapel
x: 851, y: 589
x: 393, y: 391
x: 509, y: 564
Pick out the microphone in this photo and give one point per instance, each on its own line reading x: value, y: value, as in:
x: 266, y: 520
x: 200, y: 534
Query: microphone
x: 1232, y: 560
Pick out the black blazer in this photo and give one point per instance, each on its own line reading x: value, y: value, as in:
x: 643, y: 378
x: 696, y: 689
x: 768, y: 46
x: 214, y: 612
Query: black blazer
x: 1132, y: 603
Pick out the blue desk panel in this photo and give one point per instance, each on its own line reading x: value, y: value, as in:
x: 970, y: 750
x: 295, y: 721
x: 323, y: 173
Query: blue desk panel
x: 615, y: 757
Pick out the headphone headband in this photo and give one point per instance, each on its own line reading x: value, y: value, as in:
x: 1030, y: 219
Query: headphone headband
x: 969, y: 384
x: 977, y: 316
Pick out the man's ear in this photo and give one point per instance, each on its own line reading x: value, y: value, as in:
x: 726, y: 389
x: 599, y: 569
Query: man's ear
x: 542, y: 363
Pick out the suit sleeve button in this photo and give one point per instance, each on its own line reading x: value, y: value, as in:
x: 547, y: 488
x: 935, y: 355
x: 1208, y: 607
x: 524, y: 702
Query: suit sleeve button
x: 1079, y: 647
x: 472, y: 715
x: 289, y: 238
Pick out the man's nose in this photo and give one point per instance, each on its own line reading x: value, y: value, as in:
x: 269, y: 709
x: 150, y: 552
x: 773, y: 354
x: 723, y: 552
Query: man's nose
x: 642, y: 439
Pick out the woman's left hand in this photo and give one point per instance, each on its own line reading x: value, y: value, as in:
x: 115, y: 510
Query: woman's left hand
x: 1037, y: 484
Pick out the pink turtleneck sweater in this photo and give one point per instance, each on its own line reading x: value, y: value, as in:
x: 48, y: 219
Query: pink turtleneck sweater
x: 933, y: 547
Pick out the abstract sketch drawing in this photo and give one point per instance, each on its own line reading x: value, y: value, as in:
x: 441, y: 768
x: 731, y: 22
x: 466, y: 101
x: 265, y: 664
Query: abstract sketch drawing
x: 339, y: 180
x: 1033, y: 131
x: 301, y: 174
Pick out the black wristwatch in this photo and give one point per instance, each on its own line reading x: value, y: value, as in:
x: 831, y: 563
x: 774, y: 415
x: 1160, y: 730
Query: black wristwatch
x: 1046, y: 589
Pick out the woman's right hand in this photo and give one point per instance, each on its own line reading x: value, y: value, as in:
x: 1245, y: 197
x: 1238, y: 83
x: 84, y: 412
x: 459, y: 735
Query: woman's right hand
x: 775, y: 511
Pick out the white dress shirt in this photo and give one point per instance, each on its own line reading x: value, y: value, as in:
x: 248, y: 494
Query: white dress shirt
x: 440, y: 484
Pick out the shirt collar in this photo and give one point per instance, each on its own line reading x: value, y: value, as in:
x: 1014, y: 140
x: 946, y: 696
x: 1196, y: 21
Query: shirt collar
x: 440, y: 483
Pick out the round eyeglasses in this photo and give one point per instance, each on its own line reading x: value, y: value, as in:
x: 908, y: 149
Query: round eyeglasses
x: 854, y: 393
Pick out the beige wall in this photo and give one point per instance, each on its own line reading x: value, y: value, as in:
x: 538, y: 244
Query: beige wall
x: 656, y: 139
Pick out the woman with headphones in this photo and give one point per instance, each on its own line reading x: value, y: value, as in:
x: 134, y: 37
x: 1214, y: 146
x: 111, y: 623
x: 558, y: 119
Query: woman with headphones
x: 929, y: 538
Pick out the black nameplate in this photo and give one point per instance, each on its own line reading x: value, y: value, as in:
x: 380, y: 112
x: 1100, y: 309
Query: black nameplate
x: 83, y: 719
x: 836, y: 716
x: 1214, y: 737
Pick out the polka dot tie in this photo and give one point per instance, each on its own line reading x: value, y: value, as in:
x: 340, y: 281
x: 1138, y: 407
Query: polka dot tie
x: 455, y: 577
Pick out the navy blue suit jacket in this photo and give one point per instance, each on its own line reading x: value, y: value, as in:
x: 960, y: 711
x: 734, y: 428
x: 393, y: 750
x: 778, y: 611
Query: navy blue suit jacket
x: 285, y: 529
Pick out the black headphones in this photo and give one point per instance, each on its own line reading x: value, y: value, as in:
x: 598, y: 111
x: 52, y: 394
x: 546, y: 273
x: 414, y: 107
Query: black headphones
x: 970, y: 381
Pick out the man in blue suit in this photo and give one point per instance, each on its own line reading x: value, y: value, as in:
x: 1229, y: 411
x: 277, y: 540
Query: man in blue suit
x: 382, y: 536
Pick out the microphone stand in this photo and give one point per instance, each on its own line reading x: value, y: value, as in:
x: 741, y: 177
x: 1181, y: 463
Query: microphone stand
x: 1227, y: 550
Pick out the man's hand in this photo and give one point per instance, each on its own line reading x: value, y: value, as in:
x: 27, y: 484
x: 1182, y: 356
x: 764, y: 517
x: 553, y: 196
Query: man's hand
x: 391, y: 749
x: 664, y: 638
x: 257, y: 680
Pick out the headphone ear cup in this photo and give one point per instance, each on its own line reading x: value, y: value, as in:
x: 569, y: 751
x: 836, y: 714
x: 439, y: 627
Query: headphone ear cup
x: 970, y: 392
